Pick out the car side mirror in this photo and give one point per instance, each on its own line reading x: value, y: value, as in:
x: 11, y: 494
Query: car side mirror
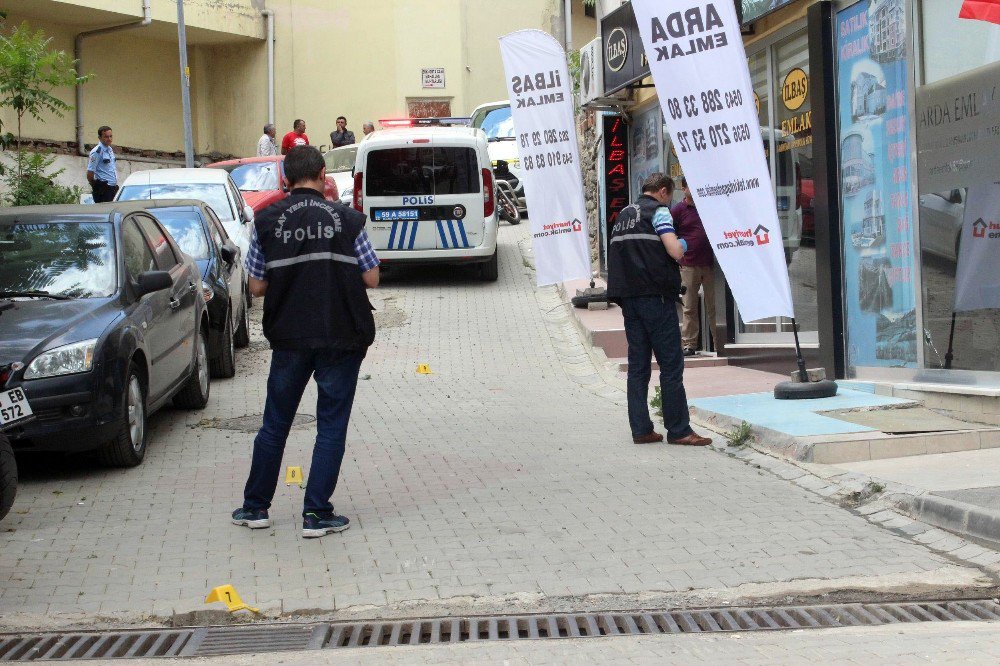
x: 151, y: 281
x: 955, y: 197
x: 229, y: 252
x: 248, y: 213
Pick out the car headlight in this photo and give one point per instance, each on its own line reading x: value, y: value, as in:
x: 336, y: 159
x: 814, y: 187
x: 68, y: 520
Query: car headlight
x: 65, y: 360
x: 206, y: 291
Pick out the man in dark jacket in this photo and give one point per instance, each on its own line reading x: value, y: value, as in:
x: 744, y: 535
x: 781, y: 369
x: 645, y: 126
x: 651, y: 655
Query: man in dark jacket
x: 341, y: 136
x: 311, y: 260
x: 644, y: 278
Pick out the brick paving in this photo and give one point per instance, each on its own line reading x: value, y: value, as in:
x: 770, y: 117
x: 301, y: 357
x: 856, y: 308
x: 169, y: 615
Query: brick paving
x: 506, y: 477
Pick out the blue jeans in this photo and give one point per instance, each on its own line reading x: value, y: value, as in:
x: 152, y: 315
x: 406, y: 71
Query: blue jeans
x: 651, y: 327
x: 336, y: 374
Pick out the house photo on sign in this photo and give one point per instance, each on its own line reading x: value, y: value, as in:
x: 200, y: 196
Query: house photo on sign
x: 432, y: 77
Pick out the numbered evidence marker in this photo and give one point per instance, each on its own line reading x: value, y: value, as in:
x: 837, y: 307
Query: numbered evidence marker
x: 293, y: 476
x: 228, y: 595
x: 423, y: 369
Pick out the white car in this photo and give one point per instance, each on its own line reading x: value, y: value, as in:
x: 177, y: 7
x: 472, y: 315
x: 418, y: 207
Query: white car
x: 941, y: 217
x: 340, y: 167
x: 213, y: 186
x: 497, y: 123
x: 428, y: 193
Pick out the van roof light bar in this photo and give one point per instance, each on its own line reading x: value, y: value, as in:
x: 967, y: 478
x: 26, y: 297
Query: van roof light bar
x: 425, y: 122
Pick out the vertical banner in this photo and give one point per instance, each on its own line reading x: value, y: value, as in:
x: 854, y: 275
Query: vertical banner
x: 541, y: 102
x: 699, y: 67
x: 977, y: 277
x: 875, y: 179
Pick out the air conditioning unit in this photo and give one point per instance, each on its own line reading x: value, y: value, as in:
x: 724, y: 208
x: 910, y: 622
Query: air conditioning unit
x: 591, y: 72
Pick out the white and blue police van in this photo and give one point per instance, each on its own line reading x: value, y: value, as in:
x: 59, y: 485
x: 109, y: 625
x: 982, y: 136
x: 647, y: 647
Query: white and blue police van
x: 426, y: 186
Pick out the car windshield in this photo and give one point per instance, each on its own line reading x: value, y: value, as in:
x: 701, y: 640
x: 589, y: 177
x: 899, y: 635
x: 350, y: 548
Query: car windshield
x: 211, y: 193
x: 255, y: 176
x: 341, y: 160
x: 66, y: 258
x: 498, y: 124
x: 187, y: 228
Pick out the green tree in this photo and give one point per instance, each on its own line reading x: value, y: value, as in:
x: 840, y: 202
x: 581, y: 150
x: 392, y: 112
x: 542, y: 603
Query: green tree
x: 30, y: 70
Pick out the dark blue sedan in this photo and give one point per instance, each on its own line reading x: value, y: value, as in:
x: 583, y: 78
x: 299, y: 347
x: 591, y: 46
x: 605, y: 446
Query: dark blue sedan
x: 102, y: 322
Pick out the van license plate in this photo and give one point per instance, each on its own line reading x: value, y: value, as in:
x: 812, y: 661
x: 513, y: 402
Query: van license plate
x: 393, y: 214
x: 13, y: 406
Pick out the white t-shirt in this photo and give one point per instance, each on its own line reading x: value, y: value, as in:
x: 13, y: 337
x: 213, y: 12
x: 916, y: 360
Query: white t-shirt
x: 266, y: 147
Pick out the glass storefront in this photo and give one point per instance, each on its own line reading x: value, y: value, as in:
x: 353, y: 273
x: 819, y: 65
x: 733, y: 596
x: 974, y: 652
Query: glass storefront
x: 779, y: 73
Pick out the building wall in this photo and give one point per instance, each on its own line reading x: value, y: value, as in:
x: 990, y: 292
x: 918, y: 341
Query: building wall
x: 332, y: 57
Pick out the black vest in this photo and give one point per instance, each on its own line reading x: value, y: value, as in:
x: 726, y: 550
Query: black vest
x: 315, y: 297
x: 638, y: 264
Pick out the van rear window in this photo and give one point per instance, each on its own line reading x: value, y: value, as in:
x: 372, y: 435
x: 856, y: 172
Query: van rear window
x: 407, y: 171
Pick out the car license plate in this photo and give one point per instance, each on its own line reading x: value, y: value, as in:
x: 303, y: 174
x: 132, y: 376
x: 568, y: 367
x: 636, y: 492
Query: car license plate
x: 393, y: 214
x: 13, y: 406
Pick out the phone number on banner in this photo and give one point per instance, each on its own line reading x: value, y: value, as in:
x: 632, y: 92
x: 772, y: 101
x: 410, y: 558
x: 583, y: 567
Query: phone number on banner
x: 542, y: 160
x: 719, y: 134
x: 707, y: 101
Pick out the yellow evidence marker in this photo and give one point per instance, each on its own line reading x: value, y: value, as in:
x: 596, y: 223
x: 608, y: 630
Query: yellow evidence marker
x: 423, y: 369
x: 294, y: 476
x: 228, y: 595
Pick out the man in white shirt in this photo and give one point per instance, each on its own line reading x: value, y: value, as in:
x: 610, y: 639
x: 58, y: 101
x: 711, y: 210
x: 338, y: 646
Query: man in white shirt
x: 266, y: 146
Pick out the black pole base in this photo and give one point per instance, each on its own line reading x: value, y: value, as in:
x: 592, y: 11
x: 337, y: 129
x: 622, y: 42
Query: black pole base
x: 805, y: 390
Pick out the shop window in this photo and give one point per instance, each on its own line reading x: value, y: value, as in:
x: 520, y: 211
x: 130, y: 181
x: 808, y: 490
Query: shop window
x: 951, y: 45
x: 646, y: 143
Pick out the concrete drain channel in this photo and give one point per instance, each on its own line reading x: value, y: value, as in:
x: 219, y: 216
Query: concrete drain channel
x: 231, y: 640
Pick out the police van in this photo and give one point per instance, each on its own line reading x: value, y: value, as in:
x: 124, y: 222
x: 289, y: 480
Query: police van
x: 426, y: 186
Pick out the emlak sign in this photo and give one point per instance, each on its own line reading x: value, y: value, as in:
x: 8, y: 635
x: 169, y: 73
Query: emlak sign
x: 699, y: 67
x: 977, y: 275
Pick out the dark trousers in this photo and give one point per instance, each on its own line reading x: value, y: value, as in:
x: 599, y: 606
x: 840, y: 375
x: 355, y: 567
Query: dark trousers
x: 336, y: 374
x: 103, y: 192
x: 652, y: 328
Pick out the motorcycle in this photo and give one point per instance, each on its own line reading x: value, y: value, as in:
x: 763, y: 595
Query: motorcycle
x: 507, y: 187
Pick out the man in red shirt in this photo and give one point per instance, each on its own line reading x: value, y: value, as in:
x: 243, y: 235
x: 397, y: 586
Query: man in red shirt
x: 697, y: 269
x: 297, y: 137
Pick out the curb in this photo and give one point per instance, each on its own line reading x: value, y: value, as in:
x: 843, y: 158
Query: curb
x: 774, y: 441
x: 958, y: 517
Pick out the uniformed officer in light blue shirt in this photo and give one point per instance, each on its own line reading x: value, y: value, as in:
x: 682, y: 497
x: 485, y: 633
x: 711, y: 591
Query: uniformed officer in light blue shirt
x: 101, y: 172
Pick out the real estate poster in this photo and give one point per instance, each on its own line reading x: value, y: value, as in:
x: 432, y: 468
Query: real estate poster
x: 875, y: 184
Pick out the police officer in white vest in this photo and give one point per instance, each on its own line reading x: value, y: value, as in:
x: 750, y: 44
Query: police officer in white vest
x: 311, y: 260
x: 644, y: 278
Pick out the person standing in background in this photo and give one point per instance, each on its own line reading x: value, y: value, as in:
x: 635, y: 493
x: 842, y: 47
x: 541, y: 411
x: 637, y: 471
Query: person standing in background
x: 341, y: 136
x: 697, y: 269
x: 265, y: 145
x: 297, y: 137
x: 101, y: 168
x: 367, y: 128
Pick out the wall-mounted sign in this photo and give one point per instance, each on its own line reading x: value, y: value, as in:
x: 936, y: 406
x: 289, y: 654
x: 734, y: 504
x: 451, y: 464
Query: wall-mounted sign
x: 795, y: 89
x: 615, y: 173
x: 432, y: 77
x: 591, y: 72
x: 751, y: 10
x: 624, y: 59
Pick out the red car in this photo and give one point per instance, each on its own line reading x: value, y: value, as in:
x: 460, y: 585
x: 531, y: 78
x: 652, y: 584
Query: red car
x: 262, y: 180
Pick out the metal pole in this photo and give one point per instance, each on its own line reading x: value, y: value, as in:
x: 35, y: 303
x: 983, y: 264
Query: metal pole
x: 185, y: 86
x: 803, y: 375
x: 568, y: 11
x: 950, y: 355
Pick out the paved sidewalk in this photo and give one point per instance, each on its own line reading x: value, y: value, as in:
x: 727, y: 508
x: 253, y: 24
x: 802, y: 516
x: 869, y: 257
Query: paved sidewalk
x: 506, y: 480
x: 938, y: 643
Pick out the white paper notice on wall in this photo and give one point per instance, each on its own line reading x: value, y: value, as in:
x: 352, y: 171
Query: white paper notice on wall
x: 699, y: 67
x: 432, y: 77
x: 541, y: 102
x: 977, y: 276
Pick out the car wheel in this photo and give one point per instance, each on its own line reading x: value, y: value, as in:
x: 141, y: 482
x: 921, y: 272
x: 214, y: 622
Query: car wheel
x: 8, y: 476
x: 194, y: 393
x: 241, y: 337
x: 224, y: 365
x: 489, y: 271
x: 128, y: 447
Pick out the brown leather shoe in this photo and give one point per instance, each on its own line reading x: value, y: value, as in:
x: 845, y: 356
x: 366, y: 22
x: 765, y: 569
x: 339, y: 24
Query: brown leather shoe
x: 651, y: 438
x: 694, y: 439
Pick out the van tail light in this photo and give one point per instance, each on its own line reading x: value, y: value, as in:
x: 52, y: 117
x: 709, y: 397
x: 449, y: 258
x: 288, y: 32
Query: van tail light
x: 359, y: 182
x: 489, y: 203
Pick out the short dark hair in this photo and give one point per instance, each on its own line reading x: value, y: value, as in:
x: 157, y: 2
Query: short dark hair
x: 296, y: 123
x: 101, y: 130
x: 656, y: 182
x: 303, y: 163
x: 342, y: 118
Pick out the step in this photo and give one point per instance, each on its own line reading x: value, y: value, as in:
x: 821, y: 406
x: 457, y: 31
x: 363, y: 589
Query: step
x: 698, y: 361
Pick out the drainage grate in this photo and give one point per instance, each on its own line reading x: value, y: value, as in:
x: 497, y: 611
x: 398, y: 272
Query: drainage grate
x: 216, y: 641
x: 116, y: 645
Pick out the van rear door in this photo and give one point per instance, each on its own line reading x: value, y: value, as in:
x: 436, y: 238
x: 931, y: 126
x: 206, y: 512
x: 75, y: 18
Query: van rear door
x: 424, y: 197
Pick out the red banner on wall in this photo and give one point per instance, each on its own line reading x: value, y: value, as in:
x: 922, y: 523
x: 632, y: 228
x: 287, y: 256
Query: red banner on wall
x: 982, y: 10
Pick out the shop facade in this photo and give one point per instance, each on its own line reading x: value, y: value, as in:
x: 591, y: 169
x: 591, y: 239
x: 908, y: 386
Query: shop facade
x: 881, y: 125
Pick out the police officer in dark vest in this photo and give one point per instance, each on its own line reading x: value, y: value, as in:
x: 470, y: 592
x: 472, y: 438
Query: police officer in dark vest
x: 312, y: 261
x: 644, y: 278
